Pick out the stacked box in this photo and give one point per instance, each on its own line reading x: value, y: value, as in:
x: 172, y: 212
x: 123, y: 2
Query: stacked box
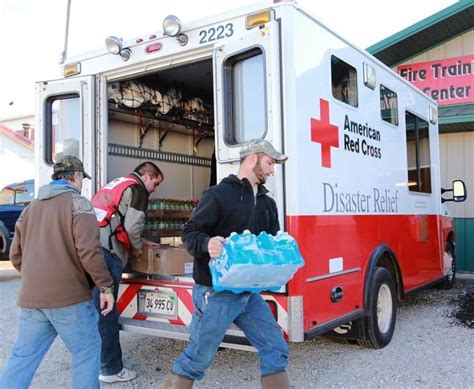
x: 168, y: 261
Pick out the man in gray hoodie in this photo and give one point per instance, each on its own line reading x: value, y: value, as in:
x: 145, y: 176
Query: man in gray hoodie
x: 57, y: 250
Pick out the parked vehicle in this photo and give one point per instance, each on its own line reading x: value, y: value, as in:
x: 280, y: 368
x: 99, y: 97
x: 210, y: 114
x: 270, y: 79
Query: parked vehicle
x: 361, y: 191
x: 13, y: 198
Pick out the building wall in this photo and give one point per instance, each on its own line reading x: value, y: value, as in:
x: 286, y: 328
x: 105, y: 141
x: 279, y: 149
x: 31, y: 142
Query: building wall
x: 456, y: 47
x: 457, y: 161
x: 457, y: 156
x: 16, y: 161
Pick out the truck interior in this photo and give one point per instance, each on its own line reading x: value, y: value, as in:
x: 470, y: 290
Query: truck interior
x: 166, y: 117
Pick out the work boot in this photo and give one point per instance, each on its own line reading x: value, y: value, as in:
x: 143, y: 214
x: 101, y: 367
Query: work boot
x: 174, y: 381
x: 276, y: 381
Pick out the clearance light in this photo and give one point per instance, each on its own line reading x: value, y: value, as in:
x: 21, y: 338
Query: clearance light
x: 153, y: 47
x: 370, y: 77
x: 258, y: 19
x: 72, y: 70
x: 433, y: 115
x: 171, y: 25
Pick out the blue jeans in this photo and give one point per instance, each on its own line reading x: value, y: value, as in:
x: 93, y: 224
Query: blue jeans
x: 214, y: 312
x: 111, y: 353
x: 76, y: 325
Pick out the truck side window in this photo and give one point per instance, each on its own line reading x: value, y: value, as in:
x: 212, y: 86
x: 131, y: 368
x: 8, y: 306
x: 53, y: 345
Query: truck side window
x: 418, y: 154
x: 245, y: 97
x: 344, y: 81
x: 388, y: 105
x: 62, y: 127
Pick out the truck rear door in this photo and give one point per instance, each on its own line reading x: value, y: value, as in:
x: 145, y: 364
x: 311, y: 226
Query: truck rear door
x: 65, y: 123
x: 248, y: 99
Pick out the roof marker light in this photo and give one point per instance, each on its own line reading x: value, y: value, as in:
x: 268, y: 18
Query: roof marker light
x: 72, y: 70
x: 370, y: 76
x: 153, y: 47
x: 258, y: 19
x: 433, y: 115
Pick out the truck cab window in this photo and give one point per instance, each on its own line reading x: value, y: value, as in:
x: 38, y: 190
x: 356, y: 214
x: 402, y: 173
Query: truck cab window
x: 245, y: 101
x: 344, y: 81
x: 418, y: 154
x: 63, y: 127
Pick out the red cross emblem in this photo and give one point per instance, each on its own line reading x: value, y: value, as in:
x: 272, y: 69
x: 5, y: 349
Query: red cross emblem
x: 325, y: 133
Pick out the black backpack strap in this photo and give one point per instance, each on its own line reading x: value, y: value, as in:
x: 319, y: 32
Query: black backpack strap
x: 114, y: 232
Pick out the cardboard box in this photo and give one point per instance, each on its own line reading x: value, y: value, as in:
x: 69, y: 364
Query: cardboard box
x: 165, y: 261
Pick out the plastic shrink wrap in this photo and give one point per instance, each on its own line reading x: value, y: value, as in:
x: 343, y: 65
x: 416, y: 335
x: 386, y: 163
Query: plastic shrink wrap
x: 255, y: 263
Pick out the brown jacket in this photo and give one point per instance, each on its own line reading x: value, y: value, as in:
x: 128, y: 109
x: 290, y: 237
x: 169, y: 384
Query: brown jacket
x: 57, y: 250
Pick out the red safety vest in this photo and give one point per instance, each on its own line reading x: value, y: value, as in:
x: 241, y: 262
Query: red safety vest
x: 106, y: 202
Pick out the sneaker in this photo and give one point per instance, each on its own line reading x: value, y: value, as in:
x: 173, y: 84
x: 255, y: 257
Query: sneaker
x: 122, y: 376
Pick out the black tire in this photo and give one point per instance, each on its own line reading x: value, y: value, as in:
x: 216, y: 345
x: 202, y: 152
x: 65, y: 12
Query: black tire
x: 336, y: 339
x: 382, y: 310
x: 450, y: 279
x: 4, y: 242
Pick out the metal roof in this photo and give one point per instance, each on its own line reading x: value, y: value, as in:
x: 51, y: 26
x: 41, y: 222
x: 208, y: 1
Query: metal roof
x: 456, y: 118
x: 425, y: 34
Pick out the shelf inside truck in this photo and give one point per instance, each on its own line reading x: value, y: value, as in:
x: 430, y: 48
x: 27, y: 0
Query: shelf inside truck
x: 167, y: 214
x: 162, y: 233
x: 145, y: 117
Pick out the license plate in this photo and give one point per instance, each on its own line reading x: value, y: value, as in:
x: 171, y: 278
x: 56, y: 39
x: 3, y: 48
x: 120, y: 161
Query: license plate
x: 159, y: 304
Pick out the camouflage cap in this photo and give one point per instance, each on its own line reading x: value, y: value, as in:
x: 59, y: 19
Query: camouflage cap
x: 69, y: 163
x: 262, y: 146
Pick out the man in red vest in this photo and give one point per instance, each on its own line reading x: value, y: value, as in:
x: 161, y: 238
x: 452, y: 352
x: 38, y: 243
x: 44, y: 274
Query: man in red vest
x: 120, y: 209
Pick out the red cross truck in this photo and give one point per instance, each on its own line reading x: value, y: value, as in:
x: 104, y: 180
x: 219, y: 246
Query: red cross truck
x: 361, y: 191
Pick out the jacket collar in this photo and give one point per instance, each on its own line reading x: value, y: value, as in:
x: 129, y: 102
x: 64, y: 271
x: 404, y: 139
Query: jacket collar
x: 245, y: 182
x: 137, y: 177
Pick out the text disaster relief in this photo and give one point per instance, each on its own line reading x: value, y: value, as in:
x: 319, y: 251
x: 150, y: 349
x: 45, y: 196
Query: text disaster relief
x: 376, y: 202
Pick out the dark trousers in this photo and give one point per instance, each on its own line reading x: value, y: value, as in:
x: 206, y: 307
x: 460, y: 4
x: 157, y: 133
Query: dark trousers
x: 111, y: 352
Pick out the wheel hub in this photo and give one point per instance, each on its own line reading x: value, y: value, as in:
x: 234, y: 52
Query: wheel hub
x: 384, y: 308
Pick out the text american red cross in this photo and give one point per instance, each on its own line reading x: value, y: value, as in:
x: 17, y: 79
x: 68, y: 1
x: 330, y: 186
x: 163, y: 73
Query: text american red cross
x: 324, y: 133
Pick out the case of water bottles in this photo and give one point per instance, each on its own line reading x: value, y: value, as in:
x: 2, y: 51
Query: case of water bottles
x: 255, y: 263
x: 167, y: 217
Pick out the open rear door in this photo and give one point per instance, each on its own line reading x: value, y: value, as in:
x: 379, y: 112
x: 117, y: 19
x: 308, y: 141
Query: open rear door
x: 65, y: 126
x: 248, y: 99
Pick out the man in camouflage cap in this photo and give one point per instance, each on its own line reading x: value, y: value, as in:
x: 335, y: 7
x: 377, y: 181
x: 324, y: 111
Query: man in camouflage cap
x: 57, y: 249
x: 238, y: 203
x: 262, y: 146
x: 70, y: 164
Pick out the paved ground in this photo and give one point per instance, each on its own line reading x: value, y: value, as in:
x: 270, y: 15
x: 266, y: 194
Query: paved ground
x: 433, y: 347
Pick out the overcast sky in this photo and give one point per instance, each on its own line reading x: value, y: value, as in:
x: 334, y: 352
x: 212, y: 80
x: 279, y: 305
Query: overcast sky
x: 32, y: 31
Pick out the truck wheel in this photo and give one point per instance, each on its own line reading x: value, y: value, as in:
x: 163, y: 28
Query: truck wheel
x: 4, y: 240
x: 450, y: 278
x: 382, y: 312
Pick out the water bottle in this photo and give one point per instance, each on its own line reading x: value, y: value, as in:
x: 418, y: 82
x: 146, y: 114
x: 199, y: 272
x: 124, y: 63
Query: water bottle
x: 288, y: 248
x: 269, y: 250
